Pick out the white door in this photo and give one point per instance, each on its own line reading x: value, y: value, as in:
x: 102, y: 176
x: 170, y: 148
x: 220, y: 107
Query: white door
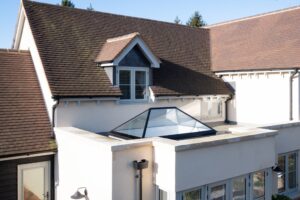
x: 34, y: 181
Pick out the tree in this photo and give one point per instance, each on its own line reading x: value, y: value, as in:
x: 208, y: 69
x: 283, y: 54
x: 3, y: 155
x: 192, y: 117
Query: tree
x: 177, y: 20
x: 90, y: 7
x: 196, y: 20
x: 67, y: 3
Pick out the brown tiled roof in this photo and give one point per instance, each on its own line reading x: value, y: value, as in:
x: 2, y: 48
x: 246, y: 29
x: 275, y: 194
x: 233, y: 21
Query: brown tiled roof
x: 114, y: 46
x: 69, y: 41
x: 269, y: 41
x: 24, y: 122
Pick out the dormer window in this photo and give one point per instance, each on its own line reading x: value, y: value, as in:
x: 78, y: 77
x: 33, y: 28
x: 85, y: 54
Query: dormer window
x: 133, y: 82
x: 128, y: 62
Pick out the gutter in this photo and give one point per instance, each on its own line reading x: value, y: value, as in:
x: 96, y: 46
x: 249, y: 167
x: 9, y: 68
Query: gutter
x: 291, y: 92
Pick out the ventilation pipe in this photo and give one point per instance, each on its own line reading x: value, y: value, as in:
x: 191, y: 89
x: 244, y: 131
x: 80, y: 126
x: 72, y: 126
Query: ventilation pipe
x: 292, y: 76
x: 143, y: 164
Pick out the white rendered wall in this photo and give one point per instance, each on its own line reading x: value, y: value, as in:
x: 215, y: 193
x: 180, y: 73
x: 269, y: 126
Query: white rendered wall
x: 209, y: 165
x: 262, y: 98
x: 125, y: 184
x: 82, y: 162
x: 105, y: 165
x: 27, y: 42
x: 101, y: 116
x: 165, y: 168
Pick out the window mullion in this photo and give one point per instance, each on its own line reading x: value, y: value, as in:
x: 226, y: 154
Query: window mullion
x: 132, y: 86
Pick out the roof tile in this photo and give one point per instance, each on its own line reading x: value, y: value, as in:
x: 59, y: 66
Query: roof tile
x: 69, y: 40
x: 24, y: 122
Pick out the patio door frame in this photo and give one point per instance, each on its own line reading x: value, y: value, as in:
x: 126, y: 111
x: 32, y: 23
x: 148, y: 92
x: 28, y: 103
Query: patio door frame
x: 227, y: 188
x: 47, y: 177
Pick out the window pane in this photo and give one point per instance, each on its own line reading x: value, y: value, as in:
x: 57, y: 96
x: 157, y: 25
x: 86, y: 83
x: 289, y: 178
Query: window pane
x: 140, y: 91
x: 140, y: 84
x: 292, y: 162
x: 33, y: 184
x: 140, y: 77
x: 292, y: 180
x: 281, y: 183
x: 281, y: 176
x: 258, y: 185
x: 125, y: 89
x: 218, y: 192
x: 192, y: 195
x: 292, y: 165
x: 239, y: 189
x: 124, y: 77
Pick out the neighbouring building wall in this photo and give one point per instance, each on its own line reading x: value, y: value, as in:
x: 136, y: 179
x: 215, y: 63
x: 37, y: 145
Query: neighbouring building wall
x: 262, y: 97
x: 82, y: 162
x: 105, y: 115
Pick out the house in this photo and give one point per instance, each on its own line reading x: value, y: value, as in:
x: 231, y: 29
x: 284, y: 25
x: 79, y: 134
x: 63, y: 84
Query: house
x: 143, y: 109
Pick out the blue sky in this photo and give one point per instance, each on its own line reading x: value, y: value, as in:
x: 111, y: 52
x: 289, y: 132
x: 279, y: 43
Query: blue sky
x: 213, y: 11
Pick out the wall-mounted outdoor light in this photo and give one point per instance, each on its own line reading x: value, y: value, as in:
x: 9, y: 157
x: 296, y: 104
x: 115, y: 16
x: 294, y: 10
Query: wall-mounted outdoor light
x: 79, y: 195
x: 277, y: 170
x: 143, y: 164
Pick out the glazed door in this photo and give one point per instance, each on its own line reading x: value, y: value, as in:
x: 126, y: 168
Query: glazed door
x: 34, y: 181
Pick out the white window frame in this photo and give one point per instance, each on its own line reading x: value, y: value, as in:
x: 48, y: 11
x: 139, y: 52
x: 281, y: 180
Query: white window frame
x: 286, y: 180
x: 206, y: 189
x: 46, y: 165
x: 133, y: 71
x: 247, y: 177
x: 227, y: 188
x: 203, y: 192
x: 268, y: 182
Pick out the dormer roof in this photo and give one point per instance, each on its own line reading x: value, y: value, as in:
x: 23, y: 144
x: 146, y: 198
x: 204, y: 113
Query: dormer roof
x: 115, y: 49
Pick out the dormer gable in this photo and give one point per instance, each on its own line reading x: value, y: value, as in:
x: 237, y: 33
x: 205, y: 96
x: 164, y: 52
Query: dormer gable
x: 122, y: 49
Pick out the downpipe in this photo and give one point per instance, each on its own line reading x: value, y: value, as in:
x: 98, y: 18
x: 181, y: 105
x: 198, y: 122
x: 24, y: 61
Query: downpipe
x: 139, y: 166
x: 292, y: 76
x: 53, y: 112
x: 227, y: 109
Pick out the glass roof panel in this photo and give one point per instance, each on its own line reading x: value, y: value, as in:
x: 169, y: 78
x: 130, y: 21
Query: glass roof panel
x: 134, y: 127
x: 163, y: 122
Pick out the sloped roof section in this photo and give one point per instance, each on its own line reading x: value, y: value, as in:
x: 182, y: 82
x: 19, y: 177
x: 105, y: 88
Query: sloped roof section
x: 24, y: 123
x: 69, y: 40
x: 114, y: 46
x: 267, y: 41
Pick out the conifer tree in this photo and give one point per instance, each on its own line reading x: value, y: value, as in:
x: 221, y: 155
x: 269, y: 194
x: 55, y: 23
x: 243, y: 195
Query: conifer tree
x: 196, y: 20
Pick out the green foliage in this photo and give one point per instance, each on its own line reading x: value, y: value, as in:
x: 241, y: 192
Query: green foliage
x: 90, y: 7
x: 177, y: 20
x: 196, y: 20
x: 67, y: 3
x: 280, y: 197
